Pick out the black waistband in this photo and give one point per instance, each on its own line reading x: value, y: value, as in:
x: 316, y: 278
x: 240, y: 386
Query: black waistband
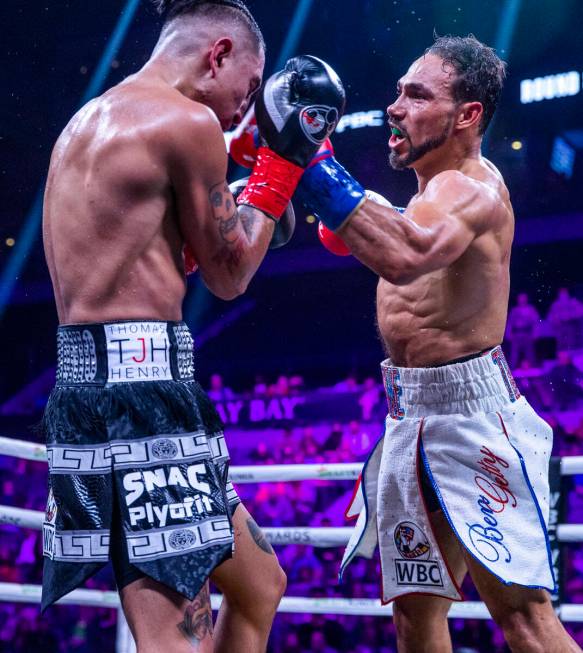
x: 126, y: 351
x: 463, y: 359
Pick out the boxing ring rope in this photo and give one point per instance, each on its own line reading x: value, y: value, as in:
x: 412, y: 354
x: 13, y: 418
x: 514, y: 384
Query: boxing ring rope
x: 316, y: 537
x: 322, y: 537
x: 570, y: 466
x: 289, y: 604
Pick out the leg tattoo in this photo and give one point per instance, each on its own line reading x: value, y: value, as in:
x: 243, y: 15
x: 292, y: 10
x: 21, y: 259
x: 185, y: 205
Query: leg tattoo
x: 259, y: 537
x: 198, y: 618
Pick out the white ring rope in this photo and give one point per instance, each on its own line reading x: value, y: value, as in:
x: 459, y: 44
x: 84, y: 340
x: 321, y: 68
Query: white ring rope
x: 16, y: 593
x: 570, y: 466
x: 317, y: 536
x: 22, y: 449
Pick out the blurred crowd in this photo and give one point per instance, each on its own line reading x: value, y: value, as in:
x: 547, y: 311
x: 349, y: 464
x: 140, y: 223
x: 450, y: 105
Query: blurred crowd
x: 547, y: 361
x: 545, y: 354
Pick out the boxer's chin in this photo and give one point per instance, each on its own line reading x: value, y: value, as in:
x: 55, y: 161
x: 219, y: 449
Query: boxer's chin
x: 417, y: 152
x: 398, y: 162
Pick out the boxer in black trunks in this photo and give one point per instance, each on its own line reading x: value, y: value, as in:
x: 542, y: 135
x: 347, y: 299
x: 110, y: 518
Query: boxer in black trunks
x: 136, y: 196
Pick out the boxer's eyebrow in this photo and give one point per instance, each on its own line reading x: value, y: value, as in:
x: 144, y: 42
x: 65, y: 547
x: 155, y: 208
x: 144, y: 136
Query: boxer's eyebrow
x: 415, y: 88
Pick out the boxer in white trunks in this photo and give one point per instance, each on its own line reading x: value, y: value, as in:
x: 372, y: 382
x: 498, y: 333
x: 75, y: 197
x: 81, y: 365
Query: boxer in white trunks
x: 460, y: 480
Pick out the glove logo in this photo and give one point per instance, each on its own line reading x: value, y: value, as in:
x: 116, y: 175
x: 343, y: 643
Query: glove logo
x: 318, y: 122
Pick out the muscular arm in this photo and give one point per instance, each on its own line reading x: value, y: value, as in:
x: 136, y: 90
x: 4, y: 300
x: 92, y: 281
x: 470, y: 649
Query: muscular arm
x: 228, y: 242
x: 434, y: 232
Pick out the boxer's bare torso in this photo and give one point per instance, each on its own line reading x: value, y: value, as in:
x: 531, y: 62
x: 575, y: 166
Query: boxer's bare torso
x: 444, y: 264
x: 112, y: 238
x: 461, y: 309
x: 130, y: 181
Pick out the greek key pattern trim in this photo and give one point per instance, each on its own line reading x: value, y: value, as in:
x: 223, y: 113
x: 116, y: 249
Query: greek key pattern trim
x: 218, y: 447
x: 81, y: 546
x: 232, y: 496
x: 164, y: 543
x: 100, y: 459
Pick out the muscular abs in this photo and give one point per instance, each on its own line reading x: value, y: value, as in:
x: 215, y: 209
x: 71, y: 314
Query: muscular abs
x: 446, y: 314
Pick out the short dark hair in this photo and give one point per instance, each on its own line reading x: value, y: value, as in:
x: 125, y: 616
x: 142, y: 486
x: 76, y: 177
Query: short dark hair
x: 233, y: 9
x: 480, y: 72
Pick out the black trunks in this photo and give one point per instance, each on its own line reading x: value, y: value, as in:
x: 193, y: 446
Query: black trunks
x: 137, y: 460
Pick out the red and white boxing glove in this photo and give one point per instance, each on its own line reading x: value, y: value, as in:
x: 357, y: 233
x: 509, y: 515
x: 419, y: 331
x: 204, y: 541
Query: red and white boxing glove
x: 244, y: 147
x: 274, y: 179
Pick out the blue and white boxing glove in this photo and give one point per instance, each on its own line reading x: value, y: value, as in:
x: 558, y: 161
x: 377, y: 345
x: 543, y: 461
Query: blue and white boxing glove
x: 331, y: 193
x: 333, y: 242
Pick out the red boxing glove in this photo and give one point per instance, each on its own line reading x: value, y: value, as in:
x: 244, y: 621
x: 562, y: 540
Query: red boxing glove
x: 272, y: 183
x: 244, y: 148
x: 190, y: 265
x: 331, y: 241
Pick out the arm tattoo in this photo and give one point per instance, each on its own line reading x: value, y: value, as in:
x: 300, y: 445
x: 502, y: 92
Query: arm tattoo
x: 216, y: 199
x: 227, y: 226
x: 225, y: 213
x: 198, y: 618
x: 259, y: 537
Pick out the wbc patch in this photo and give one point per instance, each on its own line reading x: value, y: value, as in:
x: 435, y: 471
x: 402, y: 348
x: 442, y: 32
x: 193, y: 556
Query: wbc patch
x: 415, y: 567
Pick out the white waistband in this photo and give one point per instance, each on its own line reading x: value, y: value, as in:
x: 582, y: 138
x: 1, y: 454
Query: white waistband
x: 482, y: 384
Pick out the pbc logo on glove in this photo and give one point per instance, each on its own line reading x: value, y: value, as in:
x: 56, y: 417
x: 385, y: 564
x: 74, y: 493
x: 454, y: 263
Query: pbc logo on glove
x: 318, y: 122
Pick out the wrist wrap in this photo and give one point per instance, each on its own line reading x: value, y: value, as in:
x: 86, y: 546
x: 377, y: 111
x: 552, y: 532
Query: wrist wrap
x: 330, y: 192
x: 272, y: 183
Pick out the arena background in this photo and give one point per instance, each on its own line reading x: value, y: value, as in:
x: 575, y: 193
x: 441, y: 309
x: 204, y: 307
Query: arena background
x: 306, y: 327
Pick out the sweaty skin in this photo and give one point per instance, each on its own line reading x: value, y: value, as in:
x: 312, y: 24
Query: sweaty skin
x: 461, y: 308
x: 443, y: 294
x: 444, y: 264
x: 136, y: 174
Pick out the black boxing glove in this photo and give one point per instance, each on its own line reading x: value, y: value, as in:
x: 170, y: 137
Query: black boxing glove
x: 299, y: 107
x: 296, y: 110
x: 284, y: 227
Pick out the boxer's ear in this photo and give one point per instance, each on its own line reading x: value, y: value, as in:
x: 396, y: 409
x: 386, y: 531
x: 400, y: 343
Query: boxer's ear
x: 220, y: 50
x: 469, y: 114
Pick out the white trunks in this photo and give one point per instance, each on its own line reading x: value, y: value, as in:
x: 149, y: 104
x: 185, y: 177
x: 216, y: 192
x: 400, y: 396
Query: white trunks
x: 484, y: 452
